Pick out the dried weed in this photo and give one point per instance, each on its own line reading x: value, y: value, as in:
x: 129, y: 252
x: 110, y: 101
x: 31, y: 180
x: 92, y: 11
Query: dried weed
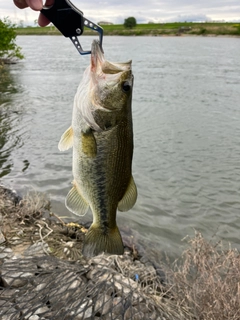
x: 204, y: 284
x: 206, y: 280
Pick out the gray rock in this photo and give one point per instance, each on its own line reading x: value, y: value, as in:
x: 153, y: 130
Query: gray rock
x: 46, y: 263
x: 2, y: 238
x: 125, y: 259
x: 106, y: 287
x: 123, y: 285
x: 6, y: 253
x: 153, y: 316
x: 75, y: 284
x: 40, y: 287
x: 104, y: 277
x: 3, y: 255
x: 94, y: 274
x: 16, y: 240
x: 105, y: 283
x: 11, y: 314
x: 118, y: 306
x: 4, y: 304
x: 120, y: 289
x: 26, y: 310
x: 84, y: 311
x: 90, y: 288
x: 37, y: 249
x: 143, y: 307
x: 71, y: 285
x: 34, y: 317
x: 100, y: 260
x: 7, y: 310
x: 15, y: 279
x: 9, y: 250
x: 137, y: 298
x: 103, y: 305
x: 28, y: 304
x: 133, y: 313
x: 7, y: 294
x: 41, y: 310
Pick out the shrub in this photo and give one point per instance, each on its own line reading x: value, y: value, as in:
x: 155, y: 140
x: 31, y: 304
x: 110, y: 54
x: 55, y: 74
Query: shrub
x: 8, y: 48
x: 206, y: 281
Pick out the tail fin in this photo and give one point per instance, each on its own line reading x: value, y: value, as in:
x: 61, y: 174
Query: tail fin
x: 97, y: 242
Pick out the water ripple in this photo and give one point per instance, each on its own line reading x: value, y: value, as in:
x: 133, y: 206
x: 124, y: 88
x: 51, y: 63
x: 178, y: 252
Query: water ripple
x: 186, y: 130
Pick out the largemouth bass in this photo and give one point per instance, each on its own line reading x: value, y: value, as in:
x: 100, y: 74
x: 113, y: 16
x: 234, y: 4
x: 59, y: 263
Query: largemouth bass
x: 101, y: 135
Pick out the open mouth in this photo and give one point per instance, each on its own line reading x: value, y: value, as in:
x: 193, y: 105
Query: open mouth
x: 97, y: 57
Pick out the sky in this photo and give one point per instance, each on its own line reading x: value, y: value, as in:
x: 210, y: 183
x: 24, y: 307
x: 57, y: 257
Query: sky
x: 144, y: 11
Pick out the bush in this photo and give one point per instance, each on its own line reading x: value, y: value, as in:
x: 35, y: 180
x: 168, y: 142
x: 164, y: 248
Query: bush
x: 8, y: 48
x: 206, y: 281
x: 237, y: 26
x: 130, y: 23
x: 203, y: 31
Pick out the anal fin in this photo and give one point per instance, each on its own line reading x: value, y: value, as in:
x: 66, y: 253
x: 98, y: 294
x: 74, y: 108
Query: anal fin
x: 129, y: 198
x: 66, y: 140
x: 76, y: 203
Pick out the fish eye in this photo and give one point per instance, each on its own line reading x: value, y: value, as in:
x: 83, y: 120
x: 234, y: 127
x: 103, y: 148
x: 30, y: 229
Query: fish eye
x: 126, y: 86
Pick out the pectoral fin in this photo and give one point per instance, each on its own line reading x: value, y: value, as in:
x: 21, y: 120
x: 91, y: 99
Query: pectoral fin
x: 75, y: 202
x: 129, y: 198
x: 89, y: 145
x: 66, y: 140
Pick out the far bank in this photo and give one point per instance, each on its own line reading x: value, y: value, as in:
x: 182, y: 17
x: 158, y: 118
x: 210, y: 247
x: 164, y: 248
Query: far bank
x: 151, y: 29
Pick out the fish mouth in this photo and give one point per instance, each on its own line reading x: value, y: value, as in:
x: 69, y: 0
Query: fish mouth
x: 100, y: 65
x: 97, y: 57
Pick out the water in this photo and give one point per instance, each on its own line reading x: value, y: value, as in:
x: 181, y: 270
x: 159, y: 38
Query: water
x: 186, y: 117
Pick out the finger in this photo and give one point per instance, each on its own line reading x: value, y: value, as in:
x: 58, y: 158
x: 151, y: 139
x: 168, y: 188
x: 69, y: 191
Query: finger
x: 42, y: 20
x: 21, y: 4
x: 49, y: 2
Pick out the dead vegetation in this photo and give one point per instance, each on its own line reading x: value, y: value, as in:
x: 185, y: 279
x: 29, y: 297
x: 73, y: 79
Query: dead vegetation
x: 29, y: 220
x: 206, y: 280
x: 203, y: 284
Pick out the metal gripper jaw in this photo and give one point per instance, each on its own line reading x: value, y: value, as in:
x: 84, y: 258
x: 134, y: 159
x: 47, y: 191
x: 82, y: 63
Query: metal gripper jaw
x: 69, y: 20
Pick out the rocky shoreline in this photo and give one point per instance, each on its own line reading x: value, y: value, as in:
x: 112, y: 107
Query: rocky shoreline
x: 44, y: 276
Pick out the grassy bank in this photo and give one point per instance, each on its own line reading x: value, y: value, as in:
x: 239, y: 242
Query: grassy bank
x: 152, y: 29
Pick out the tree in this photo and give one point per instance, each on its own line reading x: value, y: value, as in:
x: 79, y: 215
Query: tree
x: 130, y: 23
x: 8, y: 48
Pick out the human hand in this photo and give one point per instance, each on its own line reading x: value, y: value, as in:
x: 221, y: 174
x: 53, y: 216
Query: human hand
x: 36, y: 5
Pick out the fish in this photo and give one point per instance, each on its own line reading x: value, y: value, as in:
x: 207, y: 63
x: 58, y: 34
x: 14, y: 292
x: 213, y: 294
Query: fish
x: 101, y: 135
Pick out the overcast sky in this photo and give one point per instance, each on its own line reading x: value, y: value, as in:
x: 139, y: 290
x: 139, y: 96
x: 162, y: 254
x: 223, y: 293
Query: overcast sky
x: 143, y: 10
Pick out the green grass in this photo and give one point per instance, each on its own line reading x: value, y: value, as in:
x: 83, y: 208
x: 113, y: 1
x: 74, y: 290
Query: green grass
x: 218, y: 28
